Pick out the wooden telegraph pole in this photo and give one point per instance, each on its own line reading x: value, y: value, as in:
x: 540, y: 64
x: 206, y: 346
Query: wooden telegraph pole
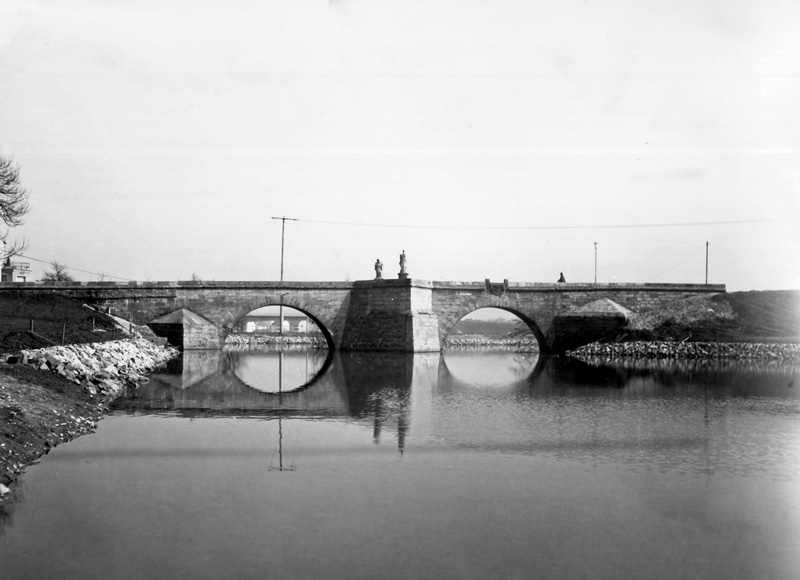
x: 283, y: 232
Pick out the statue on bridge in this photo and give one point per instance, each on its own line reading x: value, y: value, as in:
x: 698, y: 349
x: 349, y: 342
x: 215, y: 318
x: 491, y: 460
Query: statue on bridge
x: 561, y: 278
x: 403, y: 273
x: 378, y: 269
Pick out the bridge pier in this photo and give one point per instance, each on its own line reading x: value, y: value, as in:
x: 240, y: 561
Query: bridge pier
x: 391, y: 315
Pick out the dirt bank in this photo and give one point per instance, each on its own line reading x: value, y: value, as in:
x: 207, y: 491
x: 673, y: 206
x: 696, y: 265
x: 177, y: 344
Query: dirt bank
x: 39, y: 409
x: 753, y: 317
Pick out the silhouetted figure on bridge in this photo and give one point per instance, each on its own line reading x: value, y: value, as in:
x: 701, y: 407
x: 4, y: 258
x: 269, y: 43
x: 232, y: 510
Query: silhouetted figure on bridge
x: 561, y: 278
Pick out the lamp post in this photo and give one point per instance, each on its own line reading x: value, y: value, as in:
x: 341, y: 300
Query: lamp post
x: 595, y: 262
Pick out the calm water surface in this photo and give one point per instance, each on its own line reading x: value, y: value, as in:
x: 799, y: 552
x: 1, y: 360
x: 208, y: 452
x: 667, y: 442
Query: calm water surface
x: 461, y: 465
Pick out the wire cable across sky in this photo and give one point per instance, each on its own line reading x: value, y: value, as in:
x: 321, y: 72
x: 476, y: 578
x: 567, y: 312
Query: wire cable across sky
x: 101, y: 275
x: 496, y: 228
x: 557, y: 227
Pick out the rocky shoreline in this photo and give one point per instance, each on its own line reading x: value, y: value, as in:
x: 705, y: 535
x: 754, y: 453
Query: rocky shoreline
x: 247, y: 340
x: 522, y: 344
x: 689, y: 350
x: 52, y: 395
x: 104, y: 368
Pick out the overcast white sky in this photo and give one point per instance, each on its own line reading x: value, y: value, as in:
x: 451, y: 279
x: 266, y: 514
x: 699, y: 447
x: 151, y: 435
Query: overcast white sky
x: 158, y: 138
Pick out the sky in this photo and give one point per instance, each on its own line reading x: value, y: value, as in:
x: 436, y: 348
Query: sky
x: 615, y: 140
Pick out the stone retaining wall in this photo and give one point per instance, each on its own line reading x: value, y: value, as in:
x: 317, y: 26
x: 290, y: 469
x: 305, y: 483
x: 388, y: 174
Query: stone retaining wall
x: 104, y: 368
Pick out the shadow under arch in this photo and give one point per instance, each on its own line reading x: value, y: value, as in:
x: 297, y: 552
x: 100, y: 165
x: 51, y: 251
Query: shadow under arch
x: 243, y: 311
x: 235, y: 361
x: 527, y: 320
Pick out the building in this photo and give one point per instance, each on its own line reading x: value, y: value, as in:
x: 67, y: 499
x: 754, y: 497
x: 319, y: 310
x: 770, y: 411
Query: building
x: 15, y: 271
x: 261, y: 324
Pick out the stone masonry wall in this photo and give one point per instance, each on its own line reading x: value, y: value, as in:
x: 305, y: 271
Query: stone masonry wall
x: 539, y: 304
x: 391, y: 315
x: 222, y: 303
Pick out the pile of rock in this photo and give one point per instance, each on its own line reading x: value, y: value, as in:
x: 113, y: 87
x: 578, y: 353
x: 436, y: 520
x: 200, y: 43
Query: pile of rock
x: 313, y: 341
x: 517, y: 344
x: 102, y: 367
x: 691, y: 350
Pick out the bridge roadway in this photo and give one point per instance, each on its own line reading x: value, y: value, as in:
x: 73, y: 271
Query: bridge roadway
x: 404, y: 315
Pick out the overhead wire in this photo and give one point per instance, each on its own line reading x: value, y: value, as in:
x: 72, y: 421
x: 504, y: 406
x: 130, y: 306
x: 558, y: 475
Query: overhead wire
x: 444, y: 227
x: 77, y: 269
x: 691, y: 256
x: 555, y: 227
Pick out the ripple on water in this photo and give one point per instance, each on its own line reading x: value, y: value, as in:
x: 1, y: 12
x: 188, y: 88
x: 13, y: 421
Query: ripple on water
x: 730, y: 436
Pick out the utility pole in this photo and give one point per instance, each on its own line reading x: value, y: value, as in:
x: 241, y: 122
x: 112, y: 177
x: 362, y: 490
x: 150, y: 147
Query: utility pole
x: 595, y: 262
x: 283, y: 231
x: 706, y: 262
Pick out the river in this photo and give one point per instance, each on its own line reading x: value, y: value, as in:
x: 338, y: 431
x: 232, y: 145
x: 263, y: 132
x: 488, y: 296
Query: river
x: 465, y: 464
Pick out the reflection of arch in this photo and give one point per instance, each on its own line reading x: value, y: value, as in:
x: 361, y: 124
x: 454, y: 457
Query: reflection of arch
x: 233, y: 317
x: 222, y: 393
x: 552, y: 375
x: 446, y: 375
x: 232, y: 364
x: 446, y: 326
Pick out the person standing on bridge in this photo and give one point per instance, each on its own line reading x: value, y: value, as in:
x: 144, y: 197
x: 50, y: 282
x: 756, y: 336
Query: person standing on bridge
x: 561, y: 278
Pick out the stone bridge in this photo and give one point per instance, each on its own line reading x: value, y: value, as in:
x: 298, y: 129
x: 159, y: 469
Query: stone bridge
x: 406, y: 315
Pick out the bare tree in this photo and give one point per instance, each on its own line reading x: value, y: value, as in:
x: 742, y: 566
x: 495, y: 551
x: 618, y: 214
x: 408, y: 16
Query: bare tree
x: 13, y: 203
x: 58, y: 273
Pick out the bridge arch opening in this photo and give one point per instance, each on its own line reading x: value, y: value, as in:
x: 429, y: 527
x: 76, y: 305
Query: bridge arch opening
x: 280, y: 324
x: 493, y: 327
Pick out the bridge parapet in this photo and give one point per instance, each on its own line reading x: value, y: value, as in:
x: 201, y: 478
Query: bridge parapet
x: 392, y: 315
x: 543, y: 306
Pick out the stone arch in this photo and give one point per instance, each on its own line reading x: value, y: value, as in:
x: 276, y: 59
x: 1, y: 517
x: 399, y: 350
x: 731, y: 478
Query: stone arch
x: 446, y: 323
x: 235, y: 314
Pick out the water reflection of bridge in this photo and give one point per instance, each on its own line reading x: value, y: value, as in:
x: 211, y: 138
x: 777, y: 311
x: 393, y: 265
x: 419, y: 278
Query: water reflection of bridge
x: 369, y: 388
x: 506, y: 402
x: 358, y: 385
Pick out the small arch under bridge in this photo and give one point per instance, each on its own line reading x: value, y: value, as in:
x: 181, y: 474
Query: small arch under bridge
x: 408, y: 315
